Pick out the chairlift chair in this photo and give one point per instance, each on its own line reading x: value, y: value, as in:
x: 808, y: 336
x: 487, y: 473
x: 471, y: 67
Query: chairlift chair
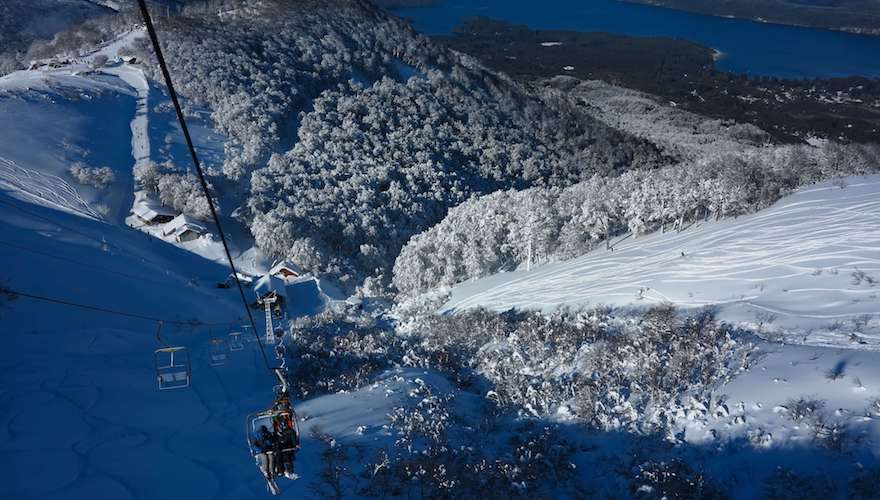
x: 218, y: 352
x: 288, y: 443
x: 291, y: 443
x: 235, y: 342
x: 173, y: 369
x: 247, y: 334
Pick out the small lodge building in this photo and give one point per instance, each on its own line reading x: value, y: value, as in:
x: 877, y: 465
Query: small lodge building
x: 285, y: 271
x: 274, y: 289
x: 150, y: 212
x: 183, y: 228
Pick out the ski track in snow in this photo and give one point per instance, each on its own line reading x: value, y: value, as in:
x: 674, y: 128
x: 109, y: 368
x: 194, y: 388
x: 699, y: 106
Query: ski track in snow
x: 794, y: 259
x: 44, y: 189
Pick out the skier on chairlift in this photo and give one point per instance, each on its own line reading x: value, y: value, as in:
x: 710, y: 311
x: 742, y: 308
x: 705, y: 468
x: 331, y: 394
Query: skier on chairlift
x: 265, y: 445
x: 285, y: 445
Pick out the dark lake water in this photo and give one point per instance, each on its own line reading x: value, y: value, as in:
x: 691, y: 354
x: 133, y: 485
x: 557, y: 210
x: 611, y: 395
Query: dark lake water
x: 749, y: 47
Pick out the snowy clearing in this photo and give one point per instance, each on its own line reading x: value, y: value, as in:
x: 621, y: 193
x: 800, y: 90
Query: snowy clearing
x: 58, y: 116
x: 44, y: 189
x: 809, y: 264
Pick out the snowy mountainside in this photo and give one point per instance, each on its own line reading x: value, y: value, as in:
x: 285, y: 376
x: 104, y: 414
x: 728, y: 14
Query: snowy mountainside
x: 365, y: 132
x: 104, y: 115
x: 806, y: 266
x: 81, y: 414
x: 53, y: 120
x: 797, y: 419
x: 331, y: 135
x: 342, y: 132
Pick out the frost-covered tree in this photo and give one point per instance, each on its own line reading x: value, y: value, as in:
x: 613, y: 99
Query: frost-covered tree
x: 488, y: 234
x: 97, y: 177
x: 174, y: 188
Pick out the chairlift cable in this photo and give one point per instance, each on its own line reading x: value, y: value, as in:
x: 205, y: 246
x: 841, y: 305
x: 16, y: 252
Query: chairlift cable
x: 192, y: 151
x: 193, y: 323
x: 50, y: 221
x: 277, y: 372
x: 101, y: 269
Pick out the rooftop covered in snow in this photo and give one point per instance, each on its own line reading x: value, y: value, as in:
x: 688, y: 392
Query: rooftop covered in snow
x: 151, y: 211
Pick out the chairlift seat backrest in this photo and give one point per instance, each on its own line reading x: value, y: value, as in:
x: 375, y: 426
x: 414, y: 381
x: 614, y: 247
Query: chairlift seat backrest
x: 170, y: 378
x: 235, y: 342
x: 172, y: 367
x: 217, y: 351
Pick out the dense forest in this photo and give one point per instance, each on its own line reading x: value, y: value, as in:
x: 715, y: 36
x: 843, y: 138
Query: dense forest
x: 508, y: 229
x: 353, y: 133
x: 520, y: 376
x: 349, y: 137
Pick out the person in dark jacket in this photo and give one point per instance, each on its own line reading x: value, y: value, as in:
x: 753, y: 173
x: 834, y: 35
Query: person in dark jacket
x: 286, y: 442
x: 264, y: 445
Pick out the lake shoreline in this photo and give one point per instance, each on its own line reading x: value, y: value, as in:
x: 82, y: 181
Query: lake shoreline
x: 871, y: 29
x: 773, y: 50
x: 681, y: 72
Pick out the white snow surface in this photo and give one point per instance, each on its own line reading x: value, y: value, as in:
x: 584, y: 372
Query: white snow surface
x: 81, y: 415
x: 787, y: 269
x: 75, y: 113
x: 791, y: 266
x: 45, y: 189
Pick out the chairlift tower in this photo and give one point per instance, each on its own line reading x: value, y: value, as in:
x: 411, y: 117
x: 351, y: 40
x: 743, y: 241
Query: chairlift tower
x: 267, y: 301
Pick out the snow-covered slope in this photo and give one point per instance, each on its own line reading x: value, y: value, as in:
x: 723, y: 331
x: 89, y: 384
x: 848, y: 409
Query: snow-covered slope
x: 81, y: 415
x: 110, y: 116
x: 80, y: 411
x: 53, y: 119
x: 804, y: 269
x: 810, y: 265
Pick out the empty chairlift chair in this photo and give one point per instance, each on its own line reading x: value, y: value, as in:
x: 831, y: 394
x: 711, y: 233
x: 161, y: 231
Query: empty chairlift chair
x: 218, y: 352
x: 236, y: 343
x: 247, y: 335
x: 173, y: 369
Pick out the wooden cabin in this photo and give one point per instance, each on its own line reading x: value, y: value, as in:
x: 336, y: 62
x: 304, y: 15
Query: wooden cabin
x: 285, y: 271
x: 150, y: 212
x: 183, y: 228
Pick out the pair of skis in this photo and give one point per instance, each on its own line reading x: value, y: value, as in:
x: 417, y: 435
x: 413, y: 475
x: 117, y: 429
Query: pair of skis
x: 272, y: 485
